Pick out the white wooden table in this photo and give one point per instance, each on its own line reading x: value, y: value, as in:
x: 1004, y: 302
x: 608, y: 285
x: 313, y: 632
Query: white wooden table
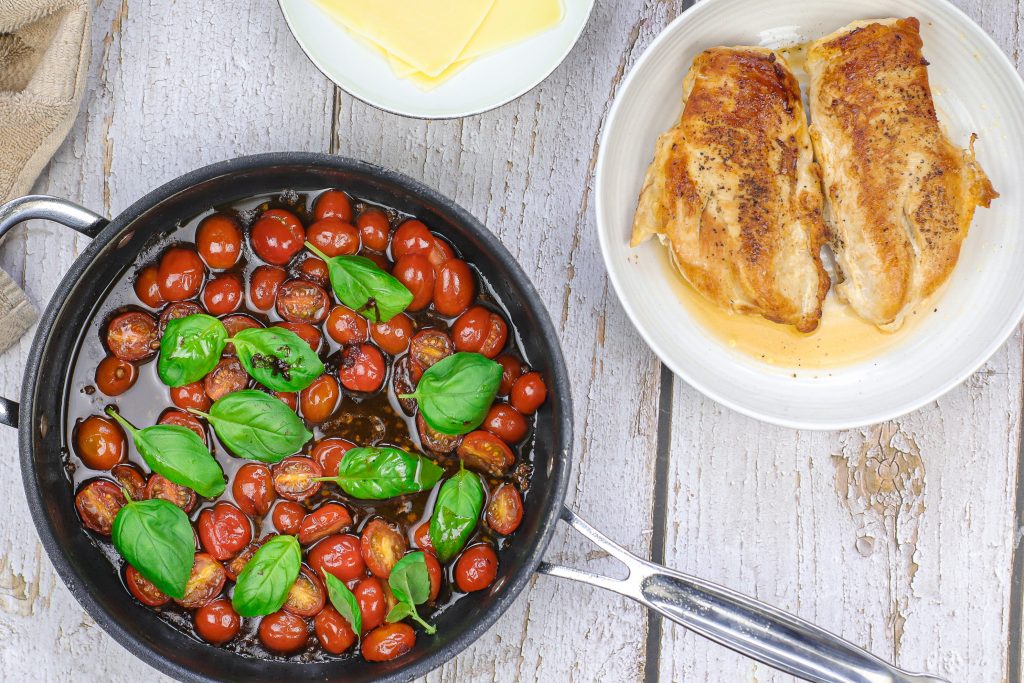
x: 901, y: 537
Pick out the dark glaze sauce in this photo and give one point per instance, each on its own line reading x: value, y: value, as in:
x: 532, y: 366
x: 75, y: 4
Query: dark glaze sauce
x: 375, y: 419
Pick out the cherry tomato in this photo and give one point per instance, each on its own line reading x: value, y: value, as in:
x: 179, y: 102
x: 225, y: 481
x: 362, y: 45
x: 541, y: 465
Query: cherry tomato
x: 373, y: 602
x: 277, y: 236
x: 205, y: 583
x: 131, y: 479
x: 115, y: 376
x: 283, y: 632
x: 380, y: 259
x: 421, y: 537
x: 413, y: 237
x: 487, y: 453
x: 315, y: 270
x: 362, y: 368
x: 147, y: 287
x: 143, y: 589
x: 394, y: 335
x: 252, y: 489
x: 263, y: 285
x: 172, y: 416
x: 454, y: 288
x: 219, y: 241
x: 339, y: 555
x: 179, y: 309
x: 476, y: 568
x: 159, y: 486
x: 512, y: 368
x: 479, y: 330
x: 100, y: 442
x: 235, y: 565
x: 345, y: 326
x: 191, y: 395
x: 434, y: 572
x: 98, y: 503
x: 295, y: 477
x: 181, y: 273
x: 388, y: 642
x: 374, y: 228
x: 334, y: 236
x: 217, y: 622
x: 307, y: 332
x: 319, y: 399
x: 226, y: 377
x: 333, y: 631
x: 289, y: 398
x: 333, y: 203
x: 235, y: 324
x: 434, y: 440
x: 288, y: 517
x: 299, y: 301
x: 328, y: 519
x: 133, y: 336
x: 224, y: 530
x: 428, y: 347
x: 505, y: 510
x: 306, y: 597
x: 329, y: 452
x: 223, y: 294
x: 506, y: 422
x: 528, y: 393
x: 382, y: 546
x: 415, y: 272
x: 401, y: 383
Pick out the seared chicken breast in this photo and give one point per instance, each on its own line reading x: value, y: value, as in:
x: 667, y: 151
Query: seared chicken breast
x: 900, y: 195
x: 734, y: 191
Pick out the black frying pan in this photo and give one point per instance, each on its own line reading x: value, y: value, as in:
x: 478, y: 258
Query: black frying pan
x: 755, y: 629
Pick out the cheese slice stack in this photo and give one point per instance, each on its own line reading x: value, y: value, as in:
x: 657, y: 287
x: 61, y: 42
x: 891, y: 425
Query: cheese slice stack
x: 429, y: 41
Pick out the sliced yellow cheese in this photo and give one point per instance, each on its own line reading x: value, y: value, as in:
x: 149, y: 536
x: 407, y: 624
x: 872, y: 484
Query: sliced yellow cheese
x: 429, y: 35
x: 510, y: 21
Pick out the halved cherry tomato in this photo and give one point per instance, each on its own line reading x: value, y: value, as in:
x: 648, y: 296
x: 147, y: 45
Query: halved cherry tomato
x: 455, y: 287
x: 388, y: 642
x: 476, y: 568
x: 334, y: 236
x: 505, y: 510
x: 401, y: 383
x: 434, y: 440
x: 98, y: 503
x: 299, y: 301
x: 382, y: 546
x: 295, y: 477
x: 333, y: 203
x: 100, y: 442
x: 362, y: 368
x: 339, y: 555
x: 159, y: 486
x: 333, y: 631
x: 428, y: 347
x: 147, y: 287
x: 143, y: 589
x: 512, y: 369
x: 115, y: 376
x: 315, y: 270
x: 288, y: 517
x: 345, y: 326
x: 133, y: 336
x: 479, y: 330
x: 528, y: 393
x: 205, y: 583
x: 283, y: 632
x: 179, y: 309
x: 506, y: 422
x: 235, y: 565
x: 217, y: 622
x: 223, y: 294
x: 263, y: 285
x: 252, y: 489
x: 173, y: 416
x: 227, y: 376
x: 421, y: 537
x: 191, y: 395
x: 224, y: 530
x: 235, y: 324
x: 306, y: 332
x: 434, y: 573
x: 219, y: 241
x: 306, y: 597
x: 320, y: 398
x: 181, y: 274
x: 373, y: 602
x: 394, y: 335
x: 328, y: 519
x: 487, y: 453
x: 417, y: 275
x: 277, y: 236
x: 329, y: 452
x: 131, y: 479
x: 374, y: 228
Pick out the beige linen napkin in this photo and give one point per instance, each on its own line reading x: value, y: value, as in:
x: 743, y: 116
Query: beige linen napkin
x: 44, y: 57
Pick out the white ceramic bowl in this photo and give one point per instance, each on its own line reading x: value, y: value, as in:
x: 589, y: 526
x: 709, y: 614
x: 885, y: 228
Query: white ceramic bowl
x: 976, y: 90
x: 488, y: 82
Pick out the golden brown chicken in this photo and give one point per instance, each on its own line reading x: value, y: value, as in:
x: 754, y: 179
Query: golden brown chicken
x: 901, y: 195
x: 734, y: 191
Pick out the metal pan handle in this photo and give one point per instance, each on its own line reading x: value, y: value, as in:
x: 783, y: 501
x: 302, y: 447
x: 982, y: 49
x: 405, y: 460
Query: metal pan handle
x: 750, y: 627
x: 49, y: 208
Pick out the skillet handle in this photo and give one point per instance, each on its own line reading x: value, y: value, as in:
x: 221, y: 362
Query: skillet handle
x: 49, y: 208
x: 750, y: 627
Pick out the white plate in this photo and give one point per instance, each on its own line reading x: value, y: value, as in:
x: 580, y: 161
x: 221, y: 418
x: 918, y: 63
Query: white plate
x: 976, y: 89
x: 488, y: 82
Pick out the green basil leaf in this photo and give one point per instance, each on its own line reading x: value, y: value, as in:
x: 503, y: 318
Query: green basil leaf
x: 277, y: 358
x: 263, y: 586
x: 365, y: 287
x: 155, y: 537
x: 257, y: 426
x: 400, y: 611
x: 456, y: 513
x: 376, y: 473
x: 344, y: 601
x: 410, y: 580
x: 456, y: 392
x: 190, y: 348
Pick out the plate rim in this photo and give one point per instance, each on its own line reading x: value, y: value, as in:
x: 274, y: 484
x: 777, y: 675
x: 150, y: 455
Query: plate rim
x: 980, y: 358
